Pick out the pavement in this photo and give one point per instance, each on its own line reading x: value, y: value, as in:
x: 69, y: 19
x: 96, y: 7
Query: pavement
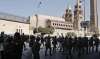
x: 27, y: 54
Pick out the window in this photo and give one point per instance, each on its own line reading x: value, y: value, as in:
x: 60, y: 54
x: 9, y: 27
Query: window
x: 21, y: 31
x: 63, y: 25
x: 53, y: 24
x: 76, y: 6
x: 16, y: 30
x: 66, y: 25
x: 79, y: 6
x: 69, y: 25
x: 69, y: 10
x: 59, y: 24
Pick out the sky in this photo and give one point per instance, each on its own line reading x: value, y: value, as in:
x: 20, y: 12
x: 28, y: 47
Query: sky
x: 27, y: 8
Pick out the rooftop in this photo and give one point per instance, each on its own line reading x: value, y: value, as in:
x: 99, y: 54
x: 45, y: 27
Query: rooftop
x: 46, y: 17
x: 14, y: 18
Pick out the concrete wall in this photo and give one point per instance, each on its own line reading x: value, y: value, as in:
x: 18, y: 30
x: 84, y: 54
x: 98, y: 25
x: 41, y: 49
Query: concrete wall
x: 10, y: 27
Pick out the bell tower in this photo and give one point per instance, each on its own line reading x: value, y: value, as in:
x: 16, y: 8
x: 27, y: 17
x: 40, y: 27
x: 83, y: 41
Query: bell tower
x: 78, y: 15
x: 68, y: 15
x: 93, y: 17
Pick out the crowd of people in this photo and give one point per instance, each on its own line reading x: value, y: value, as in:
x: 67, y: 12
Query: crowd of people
x: 11, y: 47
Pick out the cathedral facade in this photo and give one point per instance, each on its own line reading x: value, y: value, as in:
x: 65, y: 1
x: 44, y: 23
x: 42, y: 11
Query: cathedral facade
x: 70, y: 22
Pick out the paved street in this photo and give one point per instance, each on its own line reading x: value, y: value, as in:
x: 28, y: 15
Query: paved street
x: 58, y: 55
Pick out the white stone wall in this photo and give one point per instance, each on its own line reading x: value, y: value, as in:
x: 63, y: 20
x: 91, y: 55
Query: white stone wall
x: 10, y: 27
x: 61, y: 31
x: 42, y: 20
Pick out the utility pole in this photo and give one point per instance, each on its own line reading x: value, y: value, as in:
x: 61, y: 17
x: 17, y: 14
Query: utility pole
x: 93, y: 16
x: 29, y: 27
x: 84, y: 21
x: 37, y: 18
x: 36, y: 23
x: 97, y: 17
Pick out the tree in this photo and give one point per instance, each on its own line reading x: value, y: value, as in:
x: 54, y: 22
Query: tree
x: 35, y: 30
x: 46, y: 30
x: 71, y: 34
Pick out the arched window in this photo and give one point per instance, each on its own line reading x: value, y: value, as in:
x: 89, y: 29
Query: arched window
x: 53, y: 23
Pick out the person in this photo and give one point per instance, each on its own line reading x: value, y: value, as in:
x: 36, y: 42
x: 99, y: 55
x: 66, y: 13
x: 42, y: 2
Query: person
x: 9, y: 48
x: 61, y: 41
x: 18, y: 45
x: 85, y: 39
x: 23, y: 37
x: 96, y: 43
x: 74, y: 44
x: 2, y: 45
x: 32, y: 41
x: 79, y: 46
x: 48, y: 45
x: 91, y: 44
x: 54, y: 43
x: 42, y: 41
x: 27, y: 52
x: 65, y: 45
x: 70, y: 47
x: 36, y: 48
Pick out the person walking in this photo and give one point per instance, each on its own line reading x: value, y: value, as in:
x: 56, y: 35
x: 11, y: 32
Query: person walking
x: 36, y: 48
x: 54, y: 43
x: 48, y: 45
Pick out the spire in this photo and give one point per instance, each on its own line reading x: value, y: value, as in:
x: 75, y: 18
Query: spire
x: 68, y: 14
x: 79, y: 3
x: 78, y: 15
x: 69, y: 7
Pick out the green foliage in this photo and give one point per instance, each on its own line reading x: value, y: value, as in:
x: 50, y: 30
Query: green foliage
x: 47, y: 30
x: 70, y: 34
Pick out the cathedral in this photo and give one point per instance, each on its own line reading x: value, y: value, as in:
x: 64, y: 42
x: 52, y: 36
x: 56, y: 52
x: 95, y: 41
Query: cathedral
x: 72, y: 21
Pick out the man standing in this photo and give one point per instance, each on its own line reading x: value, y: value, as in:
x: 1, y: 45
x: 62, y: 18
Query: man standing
x: 2, y: 45
x: 96, y: 43
x: 48, y: 45
x: 18, y: 45
x: 36, y: 48
x: 54, y: 43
